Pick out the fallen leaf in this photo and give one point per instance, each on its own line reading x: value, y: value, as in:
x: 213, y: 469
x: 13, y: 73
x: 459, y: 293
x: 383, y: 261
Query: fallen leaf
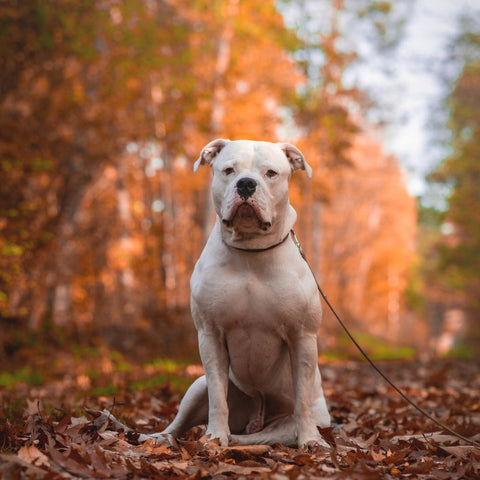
x: 239, y: 470
x: 377, y: 456
x: 33, y: 455
x: 253, y: 450
x: 462, y: 451
x: 9, y: 462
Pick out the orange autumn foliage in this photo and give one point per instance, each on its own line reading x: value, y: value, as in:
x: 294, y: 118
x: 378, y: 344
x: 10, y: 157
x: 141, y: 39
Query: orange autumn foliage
x: 102, y: 218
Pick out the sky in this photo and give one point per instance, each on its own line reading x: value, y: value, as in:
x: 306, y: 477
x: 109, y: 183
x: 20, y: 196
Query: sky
x: 412, y: 88
x: 405, y: 83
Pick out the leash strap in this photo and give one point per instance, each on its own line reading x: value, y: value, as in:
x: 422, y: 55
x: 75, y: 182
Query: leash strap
x: 474, y: 443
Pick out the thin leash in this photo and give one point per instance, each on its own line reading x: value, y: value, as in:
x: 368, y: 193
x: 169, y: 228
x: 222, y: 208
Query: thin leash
x: 474, y: 443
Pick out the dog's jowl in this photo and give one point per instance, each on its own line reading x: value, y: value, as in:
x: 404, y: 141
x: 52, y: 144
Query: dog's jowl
x: 255, y: 306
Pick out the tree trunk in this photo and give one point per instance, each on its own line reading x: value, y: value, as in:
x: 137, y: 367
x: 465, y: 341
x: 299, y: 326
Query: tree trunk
x: 317, y: 239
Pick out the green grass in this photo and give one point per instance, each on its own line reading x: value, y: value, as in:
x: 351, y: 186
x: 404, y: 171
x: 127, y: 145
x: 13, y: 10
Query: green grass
x: 93, y: 374
x: 14, y: 410
x: 178, y: 384
x: 22, y: 375
x: 119, y: 362
x: 81, y: 352
x: 376, y: 348
x: 106, y: 391
x: 167, y: 364
x: 461, y: 352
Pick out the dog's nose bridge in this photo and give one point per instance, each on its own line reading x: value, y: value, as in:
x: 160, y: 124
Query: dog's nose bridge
x: 246, y: 187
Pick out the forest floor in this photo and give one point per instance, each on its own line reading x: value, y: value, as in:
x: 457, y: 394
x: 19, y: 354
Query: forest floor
x: 50, y: 427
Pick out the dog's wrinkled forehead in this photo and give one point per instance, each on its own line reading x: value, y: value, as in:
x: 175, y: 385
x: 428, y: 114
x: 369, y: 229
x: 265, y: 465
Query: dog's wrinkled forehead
x: 251, y: 155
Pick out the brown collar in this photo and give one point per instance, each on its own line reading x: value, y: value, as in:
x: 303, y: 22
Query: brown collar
x: 259, y: 249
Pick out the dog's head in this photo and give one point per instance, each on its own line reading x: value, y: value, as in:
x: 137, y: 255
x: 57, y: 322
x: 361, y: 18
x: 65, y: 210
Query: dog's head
x: 250, y: 187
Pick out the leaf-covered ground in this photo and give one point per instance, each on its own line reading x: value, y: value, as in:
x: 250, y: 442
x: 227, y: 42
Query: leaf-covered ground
x: 54, y: 430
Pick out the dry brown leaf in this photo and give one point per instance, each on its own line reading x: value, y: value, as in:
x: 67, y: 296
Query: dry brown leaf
x: 33, y: 455
x: 460, y: 451
x: 9, y: 462
x: 238, y: 470
x: 376, y: 436
x: 377, y: 456
x: 253, y: 450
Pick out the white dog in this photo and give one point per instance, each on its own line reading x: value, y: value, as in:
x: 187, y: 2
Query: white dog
x: 256, y: 308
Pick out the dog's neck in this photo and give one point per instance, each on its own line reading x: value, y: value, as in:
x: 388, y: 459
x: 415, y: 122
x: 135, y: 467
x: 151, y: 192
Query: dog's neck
x: 253, y: 250
x: 260, y: 241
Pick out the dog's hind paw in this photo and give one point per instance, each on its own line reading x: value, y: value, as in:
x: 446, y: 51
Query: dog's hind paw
x: 254, y: 426
x: 166, y: 439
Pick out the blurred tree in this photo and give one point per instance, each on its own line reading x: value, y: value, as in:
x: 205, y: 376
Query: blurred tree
x: 369, y: 226
x: 357, y: 220
x: 459, y: 259
x: 74, y: 91
x: 103, y: 108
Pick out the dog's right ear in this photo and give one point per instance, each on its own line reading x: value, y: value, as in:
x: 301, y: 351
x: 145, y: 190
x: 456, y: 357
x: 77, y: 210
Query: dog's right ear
x: 209, y: 152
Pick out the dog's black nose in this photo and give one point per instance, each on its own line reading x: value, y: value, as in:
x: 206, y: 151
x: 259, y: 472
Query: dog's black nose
x: 246, y: 187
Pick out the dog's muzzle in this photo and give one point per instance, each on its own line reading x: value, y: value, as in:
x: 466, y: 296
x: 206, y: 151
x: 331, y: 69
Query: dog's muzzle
x: 244, y: 208
x: 246, y: 187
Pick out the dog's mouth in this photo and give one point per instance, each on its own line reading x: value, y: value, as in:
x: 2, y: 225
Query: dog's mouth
x: 246, y: 215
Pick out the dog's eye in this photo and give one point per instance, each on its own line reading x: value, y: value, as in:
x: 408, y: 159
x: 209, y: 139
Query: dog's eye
x: 228, y: 171
x: 271, y: 173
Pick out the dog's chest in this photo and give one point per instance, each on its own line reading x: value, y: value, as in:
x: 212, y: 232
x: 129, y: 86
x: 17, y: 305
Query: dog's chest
x: 252, y: 302
x: 249, y: 294
x: 252, y: 315
x: 257, y: 304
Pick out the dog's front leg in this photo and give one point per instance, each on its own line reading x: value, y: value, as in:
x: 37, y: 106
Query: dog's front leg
x: 304, y: 365
x: 215, y: 361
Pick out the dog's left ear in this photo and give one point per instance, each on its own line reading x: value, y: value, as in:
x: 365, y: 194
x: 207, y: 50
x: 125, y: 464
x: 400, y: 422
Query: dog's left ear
x: 209, y: 152
x: 296, y: 158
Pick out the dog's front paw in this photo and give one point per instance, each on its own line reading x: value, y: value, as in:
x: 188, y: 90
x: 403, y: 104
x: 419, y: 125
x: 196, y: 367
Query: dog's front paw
x: 311, y: 442
x: 223, y: 436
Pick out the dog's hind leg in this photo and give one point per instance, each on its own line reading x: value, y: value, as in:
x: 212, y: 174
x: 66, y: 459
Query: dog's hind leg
x: 282, y: 430
x: 193, y: 410
x: 257, y: 419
